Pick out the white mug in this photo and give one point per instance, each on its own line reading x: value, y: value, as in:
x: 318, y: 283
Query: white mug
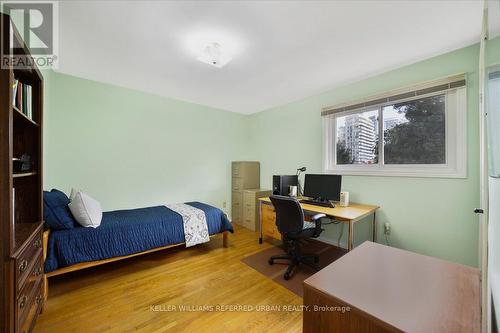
x: 292, y: 191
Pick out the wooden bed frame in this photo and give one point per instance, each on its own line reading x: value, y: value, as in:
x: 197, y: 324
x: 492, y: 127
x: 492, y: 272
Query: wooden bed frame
x: 83, y: 265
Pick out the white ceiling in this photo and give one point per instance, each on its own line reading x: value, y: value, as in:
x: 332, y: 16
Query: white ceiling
x: 284, y: 51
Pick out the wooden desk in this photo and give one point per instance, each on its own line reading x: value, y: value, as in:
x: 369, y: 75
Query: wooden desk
x: 392, y: 290
x: 349, y: 215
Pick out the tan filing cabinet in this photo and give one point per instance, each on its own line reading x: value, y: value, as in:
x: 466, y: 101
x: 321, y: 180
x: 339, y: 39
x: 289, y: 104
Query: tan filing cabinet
x: 245, y: 175
x: 250, y: 218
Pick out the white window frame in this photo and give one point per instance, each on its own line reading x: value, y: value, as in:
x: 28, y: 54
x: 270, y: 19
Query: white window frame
x: 455, y: 136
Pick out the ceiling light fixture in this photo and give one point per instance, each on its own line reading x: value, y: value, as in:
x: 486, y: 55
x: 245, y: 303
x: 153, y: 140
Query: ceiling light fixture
x: 212, y: 46
x: 213, y: 54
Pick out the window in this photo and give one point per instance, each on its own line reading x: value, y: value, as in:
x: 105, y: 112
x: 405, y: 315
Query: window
x: 357, y: 138
x: 415, y: 131
x: 419, y: 132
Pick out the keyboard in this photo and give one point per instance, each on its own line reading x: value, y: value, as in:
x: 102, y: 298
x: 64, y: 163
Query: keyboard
x: 317, y: 203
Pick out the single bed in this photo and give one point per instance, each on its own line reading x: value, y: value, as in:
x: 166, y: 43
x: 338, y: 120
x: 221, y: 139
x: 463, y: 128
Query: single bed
x: 123, y: 234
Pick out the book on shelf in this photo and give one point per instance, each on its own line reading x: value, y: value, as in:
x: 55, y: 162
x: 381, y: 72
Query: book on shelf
x: 22, y: 98
x: 14, y: 91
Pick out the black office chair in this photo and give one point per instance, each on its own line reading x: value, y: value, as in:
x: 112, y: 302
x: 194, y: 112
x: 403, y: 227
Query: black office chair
x: 293, y: 228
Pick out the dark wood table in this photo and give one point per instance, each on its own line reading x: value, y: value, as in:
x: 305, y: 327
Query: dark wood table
x: 377, y: 288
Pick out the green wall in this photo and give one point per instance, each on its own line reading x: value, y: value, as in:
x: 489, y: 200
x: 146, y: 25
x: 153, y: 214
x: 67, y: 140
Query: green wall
x: 132, y: 149
x: 428, y: 215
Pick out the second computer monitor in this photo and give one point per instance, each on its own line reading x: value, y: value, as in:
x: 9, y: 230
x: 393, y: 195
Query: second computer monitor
x: 324, y: 187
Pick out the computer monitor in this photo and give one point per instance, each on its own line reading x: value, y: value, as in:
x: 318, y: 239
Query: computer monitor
x: 323, y: 187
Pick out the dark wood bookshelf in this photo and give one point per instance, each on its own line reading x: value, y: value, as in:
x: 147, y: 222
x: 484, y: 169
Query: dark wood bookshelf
x: 21, y: 198
x: 23, y: 232
x: 24, y: 174
x: 19, y: 113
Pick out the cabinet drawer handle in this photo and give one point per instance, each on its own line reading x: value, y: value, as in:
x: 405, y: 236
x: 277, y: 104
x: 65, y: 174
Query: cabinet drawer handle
x: 22, y: 303
x: 37, y: 243
x: 23, y: 266
x: 37, y: 271
x: 38, y: 299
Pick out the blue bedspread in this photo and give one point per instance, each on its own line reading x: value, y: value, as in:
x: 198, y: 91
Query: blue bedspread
x: 125, y: 232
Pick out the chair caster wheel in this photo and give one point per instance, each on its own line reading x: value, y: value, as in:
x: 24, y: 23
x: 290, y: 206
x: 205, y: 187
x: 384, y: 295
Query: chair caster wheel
x: 286, y: 276
x: 270, y: 261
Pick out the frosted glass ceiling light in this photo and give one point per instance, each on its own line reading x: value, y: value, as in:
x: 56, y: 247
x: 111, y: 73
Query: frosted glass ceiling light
x: 213, y: 55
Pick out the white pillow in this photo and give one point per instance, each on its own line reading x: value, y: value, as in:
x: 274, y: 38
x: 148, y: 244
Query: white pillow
x: 73, y: 193
x: 86, y: 210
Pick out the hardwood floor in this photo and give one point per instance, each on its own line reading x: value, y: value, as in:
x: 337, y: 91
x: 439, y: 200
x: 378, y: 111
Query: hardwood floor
x: 139, y: 294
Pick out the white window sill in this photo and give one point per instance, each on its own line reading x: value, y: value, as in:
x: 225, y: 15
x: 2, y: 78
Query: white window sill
x: 411, y: 171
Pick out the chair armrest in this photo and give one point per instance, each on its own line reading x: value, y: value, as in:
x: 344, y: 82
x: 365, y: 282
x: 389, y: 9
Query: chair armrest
x: 317, y: 217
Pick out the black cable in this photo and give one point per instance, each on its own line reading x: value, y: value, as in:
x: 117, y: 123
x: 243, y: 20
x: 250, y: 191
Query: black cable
x: 330, y: 220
